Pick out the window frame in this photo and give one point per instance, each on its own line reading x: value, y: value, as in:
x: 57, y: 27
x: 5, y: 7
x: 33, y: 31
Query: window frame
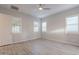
x: 73, y: 32
x: 44, y: 27
x: 19, y: 24
x: 35, y: 26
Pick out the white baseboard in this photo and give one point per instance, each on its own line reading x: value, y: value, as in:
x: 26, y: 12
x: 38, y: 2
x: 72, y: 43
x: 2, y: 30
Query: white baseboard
x: 18, y: 42
x: 64, y: 42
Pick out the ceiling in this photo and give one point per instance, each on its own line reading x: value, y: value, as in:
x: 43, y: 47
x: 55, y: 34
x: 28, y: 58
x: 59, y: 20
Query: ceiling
x: 32, y: 9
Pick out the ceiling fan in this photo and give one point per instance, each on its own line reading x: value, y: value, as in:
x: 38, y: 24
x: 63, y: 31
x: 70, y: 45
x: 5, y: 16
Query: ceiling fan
x: 14, y: 7
x: 41, y: 7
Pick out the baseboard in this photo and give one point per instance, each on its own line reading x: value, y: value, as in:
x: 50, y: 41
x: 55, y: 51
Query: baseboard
x: 69, y: 43
x: 18, y: 42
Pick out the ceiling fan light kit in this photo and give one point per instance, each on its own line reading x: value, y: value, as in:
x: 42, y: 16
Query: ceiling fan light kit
x: 40, y: 8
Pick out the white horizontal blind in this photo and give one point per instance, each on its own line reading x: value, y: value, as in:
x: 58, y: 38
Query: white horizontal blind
x: 36, y: 26
x: 44, y: 25
x: 72, y: 24
x: 16, y: 25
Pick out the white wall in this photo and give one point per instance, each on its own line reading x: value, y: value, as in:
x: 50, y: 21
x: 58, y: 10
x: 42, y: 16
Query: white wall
x: 56, y: 27
x: 5, y: 31
x: 6, y: 35
x: 27, y: 30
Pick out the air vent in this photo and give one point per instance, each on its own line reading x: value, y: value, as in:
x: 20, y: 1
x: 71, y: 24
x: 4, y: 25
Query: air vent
x: 14, y: 7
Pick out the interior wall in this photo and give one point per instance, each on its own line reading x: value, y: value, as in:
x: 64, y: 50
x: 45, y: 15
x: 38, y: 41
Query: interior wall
x: 27, y: 30
x: 56, y: 25
x: 6, y: 35
x: 5, y: 29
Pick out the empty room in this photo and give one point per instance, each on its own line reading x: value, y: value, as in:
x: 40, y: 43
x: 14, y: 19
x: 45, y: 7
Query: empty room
x: 39, y: 29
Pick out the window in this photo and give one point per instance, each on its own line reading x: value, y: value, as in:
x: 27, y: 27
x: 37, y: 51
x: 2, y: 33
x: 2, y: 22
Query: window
x: 72, y: 24
x: 16, y: 25
x: 36, y: 26
x: 44, y: 25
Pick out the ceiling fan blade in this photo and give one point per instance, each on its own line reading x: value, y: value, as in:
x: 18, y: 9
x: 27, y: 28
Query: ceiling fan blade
x: 14, y: 7
x: 46, y: 8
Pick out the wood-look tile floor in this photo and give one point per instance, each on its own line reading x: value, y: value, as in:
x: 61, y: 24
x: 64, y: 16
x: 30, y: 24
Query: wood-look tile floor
x: 39, y: 47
